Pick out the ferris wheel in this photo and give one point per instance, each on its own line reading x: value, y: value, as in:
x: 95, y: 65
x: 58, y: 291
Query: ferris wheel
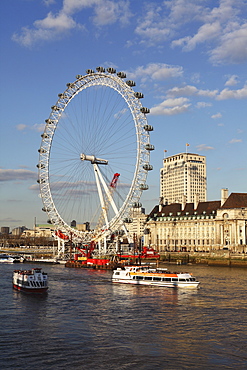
x: 94, y: 155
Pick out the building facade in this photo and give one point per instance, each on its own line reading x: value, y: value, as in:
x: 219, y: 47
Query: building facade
x: 183, y: 179
x: 202, y: 226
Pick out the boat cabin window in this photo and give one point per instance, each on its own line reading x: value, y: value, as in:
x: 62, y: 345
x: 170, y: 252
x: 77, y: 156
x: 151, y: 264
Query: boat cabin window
x: 174, y: 279
x: 192, y: 279
x: 155, y: 278
x: 166, y: 279
x: 117, y: 273
x: 139, y: 277
x: 180, y: 279
x: 148, y: 278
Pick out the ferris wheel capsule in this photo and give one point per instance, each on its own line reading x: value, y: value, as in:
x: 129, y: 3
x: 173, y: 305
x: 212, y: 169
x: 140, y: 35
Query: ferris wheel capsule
x: 121, y: 74
x: 145, y: 110
x: 144, y: 187
x: 136, y: 205
x: 139, y: 95
x: 148, y: 128
x: 100, y: 69
x: 149, y: 146
x: 148, y: 167
x: 111, y: 70
x: 130, y: 83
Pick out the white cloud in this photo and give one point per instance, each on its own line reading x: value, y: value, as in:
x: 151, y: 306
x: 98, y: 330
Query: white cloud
x: 189, y: 90
x: 156, y: 71
x: 60, y: 22
x: 49, y: 2
x: 108, y: 12
x: 234, y: 141
x: 39, y: 127
x: 171, y: 107
x: 204, y: 147
x: 56, y: 25
x: 232, y: 80
x: 221, y: 28
x: 19, y: 174
x: 232, y: 94
x: 205, y: 33
x: 232, y: 48
x: 202, y: 104
x: 21, y: 127
x: 151, y: 26
x: 217, y: 115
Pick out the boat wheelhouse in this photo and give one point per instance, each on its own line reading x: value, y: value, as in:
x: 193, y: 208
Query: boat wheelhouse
x: 145, y: 275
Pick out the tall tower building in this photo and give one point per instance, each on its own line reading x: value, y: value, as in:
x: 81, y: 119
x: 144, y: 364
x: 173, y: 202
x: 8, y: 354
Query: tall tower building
x: 183, y: 179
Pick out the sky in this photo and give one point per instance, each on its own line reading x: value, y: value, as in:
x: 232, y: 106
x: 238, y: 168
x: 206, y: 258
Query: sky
x: 188, y: 58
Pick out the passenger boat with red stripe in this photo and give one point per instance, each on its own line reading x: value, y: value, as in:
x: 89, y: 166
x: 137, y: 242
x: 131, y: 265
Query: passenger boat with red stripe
x: 30, y: 281
x: 145, y: 275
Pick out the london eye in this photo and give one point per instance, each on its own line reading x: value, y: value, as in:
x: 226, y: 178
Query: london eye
x: 94, y: 155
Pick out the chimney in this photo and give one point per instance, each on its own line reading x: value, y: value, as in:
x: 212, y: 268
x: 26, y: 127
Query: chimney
x: 224, y: 195
x: 196, y: 201
x: 183, y: 202
x: 161, y: 203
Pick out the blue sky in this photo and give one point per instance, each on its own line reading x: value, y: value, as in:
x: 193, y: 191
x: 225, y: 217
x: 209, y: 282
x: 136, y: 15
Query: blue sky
x: 188, y: 58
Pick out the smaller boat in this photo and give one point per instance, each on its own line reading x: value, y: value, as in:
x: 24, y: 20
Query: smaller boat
x: 30, y: 281
x: 18, y: 259
x: 6, y: 258
x: 144, y: 275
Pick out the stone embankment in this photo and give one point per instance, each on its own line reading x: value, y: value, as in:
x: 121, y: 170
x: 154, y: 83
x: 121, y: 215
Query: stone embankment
x: 219, y: 258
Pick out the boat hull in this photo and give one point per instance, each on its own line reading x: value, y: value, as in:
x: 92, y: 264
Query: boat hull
x: 30, y: 290
x: 159, y: 284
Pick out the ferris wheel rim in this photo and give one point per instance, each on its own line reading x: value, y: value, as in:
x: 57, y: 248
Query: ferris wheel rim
x: 142, y: 138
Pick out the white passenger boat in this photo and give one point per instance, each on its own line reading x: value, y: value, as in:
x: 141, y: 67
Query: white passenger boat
x: 6, y: 258
x: 30, y: 281
x: 144, y: 275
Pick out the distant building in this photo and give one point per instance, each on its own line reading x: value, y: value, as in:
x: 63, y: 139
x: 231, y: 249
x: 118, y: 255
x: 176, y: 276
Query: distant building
x: 4, y: 230
x: 202, y: 226
x: 40, y: 231
x: 83, y: 227
x: 183, y: 179
x: 137, y: 224
x: 18, y: 230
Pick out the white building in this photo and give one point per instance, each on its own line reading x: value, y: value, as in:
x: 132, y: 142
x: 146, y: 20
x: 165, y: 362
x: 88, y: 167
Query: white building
x: 203, y: 226
x: 183, y: 179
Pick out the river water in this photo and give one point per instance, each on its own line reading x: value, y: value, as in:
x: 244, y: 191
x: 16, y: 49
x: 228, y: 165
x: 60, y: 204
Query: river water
x: 86, y: 322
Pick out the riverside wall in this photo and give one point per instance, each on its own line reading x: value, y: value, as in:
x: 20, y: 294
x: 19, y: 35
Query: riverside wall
x: 219, y: 258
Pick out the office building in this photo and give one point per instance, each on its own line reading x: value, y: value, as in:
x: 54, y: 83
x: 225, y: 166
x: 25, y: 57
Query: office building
x: 183, y: 179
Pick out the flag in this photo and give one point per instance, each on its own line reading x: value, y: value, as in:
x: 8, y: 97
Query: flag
x: 187, y: 144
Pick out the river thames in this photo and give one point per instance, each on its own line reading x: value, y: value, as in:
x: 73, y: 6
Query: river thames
x: 86, y: 322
